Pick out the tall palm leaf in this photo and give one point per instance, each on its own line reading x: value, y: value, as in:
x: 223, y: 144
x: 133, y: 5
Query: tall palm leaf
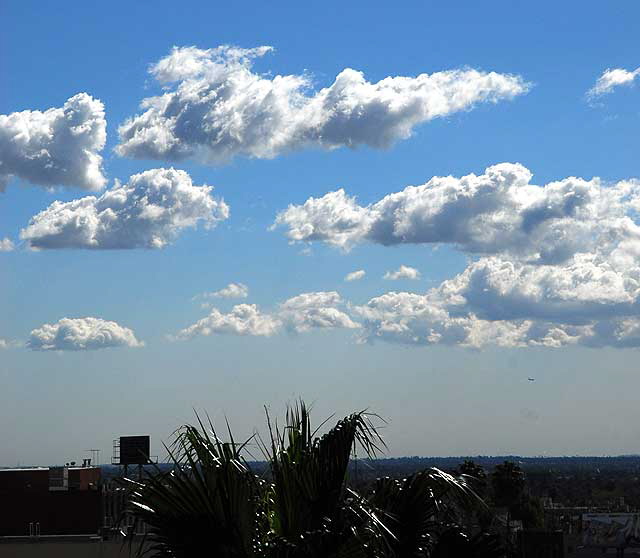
x: 311, y: 512
x: 205, y: 505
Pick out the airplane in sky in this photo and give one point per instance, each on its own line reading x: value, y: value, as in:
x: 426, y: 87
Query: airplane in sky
x: 531, y: 379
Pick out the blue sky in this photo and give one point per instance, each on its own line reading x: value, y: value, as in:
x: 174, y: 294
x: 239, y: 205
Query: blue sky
x: 439, y: 397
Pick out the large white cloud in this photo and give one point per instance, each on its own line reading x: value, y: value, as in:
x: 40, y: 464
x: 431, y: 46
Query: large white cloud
x: 559, y: 265
x: 589, y: 287
x: 417, y: 319
x: 589, y: 301
x: 497, y: 212
x: 57, y: 147
x: 302, y: 313
x: 81, y: 334
x: 612, y: 78
x: 147, y: 212
x: 216, y: 107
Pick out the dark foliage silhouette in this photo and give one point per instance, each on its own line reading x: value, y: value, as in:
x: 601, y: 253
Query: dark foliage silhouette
x: 211, y: 503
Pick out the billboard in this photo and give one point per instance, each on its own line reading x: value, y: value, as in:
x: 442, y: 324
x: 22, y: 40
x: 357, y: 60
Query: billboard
x: 134, y: 450
x: 611, y: 529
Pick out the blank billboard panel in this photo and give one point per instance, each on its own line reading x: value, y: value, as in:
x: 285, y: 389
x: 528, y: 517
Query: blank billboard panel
x: 134, y: 450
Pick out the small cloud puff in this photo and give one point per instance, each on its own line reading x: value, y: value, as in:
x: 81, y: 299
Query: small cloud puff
x: 232, y: 290
x: 81, y: 334
x: 6, y: 245
x: 57, y: 147
x: 216, y: 107
x: 355, y: 275
x: 148, y: 212
x: 403, y: 272
x: 610, y: 79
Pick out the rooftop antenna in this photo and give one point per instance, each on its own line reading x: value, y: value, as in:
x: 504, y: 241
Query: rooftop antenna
x: 95, y: 457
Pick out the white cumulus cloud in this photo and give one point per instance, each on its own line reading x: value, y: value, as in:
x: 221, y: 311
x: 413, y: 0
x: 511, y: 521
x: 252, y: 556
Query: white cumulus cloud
x: 215, y: 107
x: 612, y: 78
x: 232, y: 290
x: 244, y: 319
x: 148, y: 212
x: 559, y: 263
x: 318, y: 310
x: 590, y: 287
x: 355, y: 275
x: 299, y: 314
x: 6, y: 245
x: 591, y: 300
x: 57, y: 147
x: 497, y: 212
x: 403, y: 272
x: 81, y: 334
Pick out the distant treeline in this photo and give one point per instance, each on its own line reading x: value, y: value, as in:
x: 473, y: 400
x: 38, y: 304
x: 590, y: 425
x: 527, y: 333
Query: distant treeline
x: 404, y: 466
x: 563, y: 463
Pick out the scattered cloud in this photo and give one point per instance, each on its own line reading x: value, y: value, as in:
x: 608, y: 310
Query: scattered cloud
x: 149, y: 211
x: 57, y: 147
x: 244, y: 319
x: 302, y: 313
x: 6, y: 245
x: 81, y: 334
x: 319, y: 310
x: 232, y: 290
x: 215, y: 107
x: 403, y: 272
x: 498, y: 212
x: 355, y: 275
x: 610, y: 79
x: 586, y: 289
x: 555, y: 265
x: 589, y: 301
x: 9, y: 344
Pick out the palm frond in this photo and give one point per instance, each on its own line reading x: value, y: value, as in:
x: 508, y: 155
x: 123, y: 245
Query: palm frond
x: 309, y: 474
x: 206, y: 503
x: 416, y: 508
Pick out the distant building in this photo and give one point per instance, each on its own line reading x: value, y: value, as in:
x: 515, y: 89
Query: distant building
x: 50, y: 501
x: 69, y: 511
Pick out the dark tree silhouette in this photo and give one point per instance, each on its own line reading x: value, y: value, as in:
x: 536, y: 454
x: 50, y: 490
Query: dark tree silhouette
x: 507, y: 481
